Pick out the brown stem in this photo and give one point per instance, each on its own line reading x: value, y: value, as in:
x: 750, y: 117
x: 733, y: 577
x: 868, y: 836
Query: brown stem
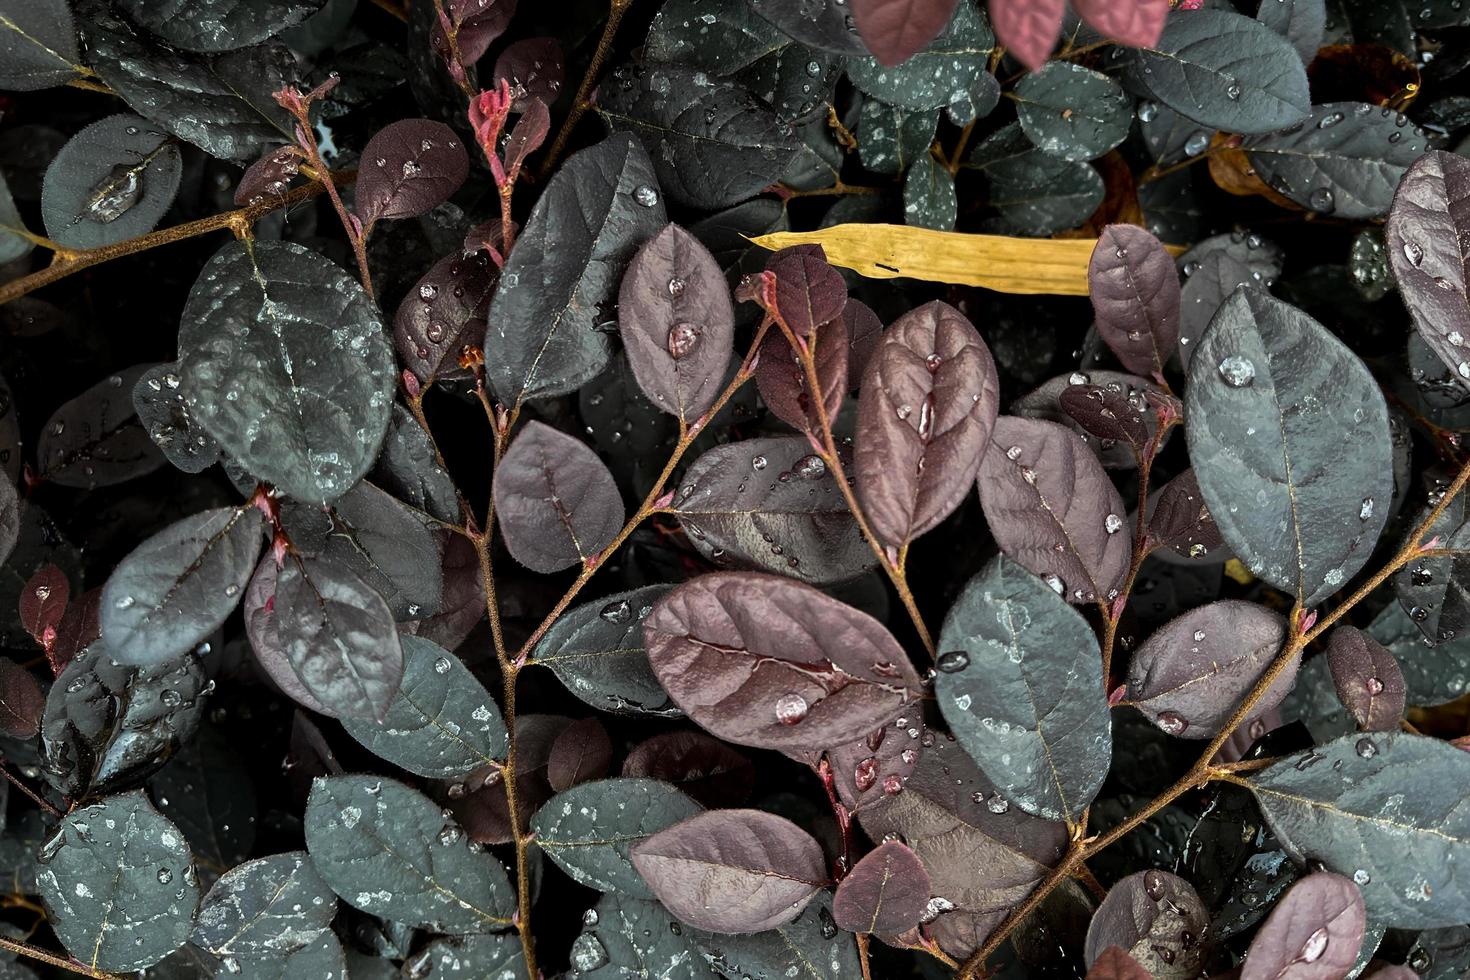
x: 242, y: 217
x: 356, y: 233
x: 862, y: 945
x: 1155, y: 172
x: 838, y: 189
x: 35, y: 798
x: 615, y: 11
x: 51, y: 959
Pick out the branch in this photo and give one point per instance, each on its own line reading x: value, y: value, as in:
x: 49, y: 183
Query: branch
x: 50, y: 959
x: 615, y: 11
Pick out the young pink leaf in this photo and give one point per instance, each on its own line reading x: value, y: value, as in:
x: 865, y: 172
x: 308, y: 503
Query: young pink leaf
x: 1135, y: 298
x: 1136, y: 23
x: 268, y: 178
x: 1368, y: 680
x: 557, y: 503
x: 1114, y: 963
x: 1028, y: 28
x: 535, y: 70
x: 782, y: 380
x: 409, y: 167
x: 804, y: 291
x: 928, y: 405
x: 870, y: 770
x: 1313, y: 933
x: 477, y: 24
x: 885, y: 893
x: 895, y: 30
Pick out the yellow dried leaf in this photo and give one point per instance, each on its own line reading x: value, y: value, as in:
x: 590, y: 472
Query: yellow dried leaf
x: 1007, y: 265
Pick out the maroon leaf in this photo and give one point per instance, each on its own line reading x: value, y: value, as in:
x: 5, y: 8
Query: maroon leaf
x: 260, y: 627
x: 1134, y: 286
x: 800, y: 288
x: 409, y: 167
x: 478, y: 801
x: 535, y: 70
x: 1313, y: 933
x: 885, y: 893
x: 267, y: 178
x: 1368, y: 680
x: 732, y: 871
x: 873, y: 768
x: 704, y: 767
x: 580, y: 753
x: 1028, y: 28
x: 895, y: 30
x: 1114, y: 963
x: 557, y: 502
x: 1136, y: 23
x: 443, y: 315
x: 677, y: 324
x: 928, y: 405
x: 1157, y: 918
x: 463, y: 604
x: 78, y: 628
x: 1181, y: 521
x: 864, y: 330
x: 782, y: 380
x: 43, y: 602
x: 1053, y: 509
x: 1190, y: 675
x: 764, y: 661
x: 21, y: 701
x: 527, y: 135
x: 1109, y: 414
x: 1045, y: 402
x: 477, y: 24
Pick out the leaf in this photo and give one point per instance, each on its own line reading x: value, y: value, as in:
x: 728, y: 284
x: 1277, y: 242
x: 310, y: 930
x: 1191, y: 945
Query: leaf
x: 890, y: 139
x: 596, y: 650
x: 1048, y: 504
x: 1299, y: 512
x: 940, y: 69
x: 801, y: 288
x: 285, y: 363
x: 581, y: 753
x: 705, y: 768
x: 267, y: 907
x: 592, y: 216
x: 441, y: 721
x: 732, y: 871
x: 929, y: 199
x: 1301, y: 22
x: 164, y: 413
x: 825, y: 25
x: 1035, y: 192
x: 731, y: 38
x: 534, y: 68
x: 496, y: 956
x: 1423, y: 236
x: 557, y: 503
x: 771, y: 505
x: 1135, y: 298
x: 9, y: 518
x: 1225, y: 71
x: 590, y: 830
x: 38, y: 45
x: 764, y: 661
x: 323, y: 958
x: 13, y: 245
x: 781, y: 378
x: 338, y: 635
x: 1213, y: 270
x: 1136, y: 23
x: 477, y: 26
x: 270, y: 652
x: 107, y: 726
x: 1346, y: 161
x: 1028, y: 28
x: 409, y: 167
x: 95, y: 440
x: 408, y: 469
x: 712, y: 143
x: 388, y: 850
x: 112, y: 181
x: 1386, y: 810
x: 1180, y: 520
x: 207, y: 791
x: 1431, y: 676
x: 118, y: 883
x: 443, y: 315
x: 177, y: 587
x: 886, y: 892
x: 233, y: 24
x: 1073, y: 112
x: 21, y: 701
x: 810, y: 947
x: 1190, y: 675
x: 1157, y: 919
x: 1367, y: 678
x: 1313, y: 933
x: 1114, y: 963
x: 628, y: 937
x: 929, y: 401
x: 1020, y: 684
x: 481, y: 805
x: 43, y: 602
x: 676, y: 322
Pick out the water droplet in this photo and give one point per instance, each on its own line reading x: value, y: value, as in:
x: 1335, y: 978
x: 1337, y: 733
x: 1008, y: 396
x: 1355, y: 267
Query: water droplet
x: 115, y: 193
x: 441, y: 665
x: 758, y: 463
x: 676, y: 286
x: 1197, y: 143
x: 903, y: 412
x: 952, y: 661
x: 1330, y: 120
x: 1374, y: 686
x: 892, y: 784
x: 428, y: 291
x: 1172, y: 722
x: 1199, y: 636
x: 1055, y: 583
x: 865, y: 774
x: 1321, y: 200
x: 1147, y: 111
x: 617, y: 612
x: 682, y: 338
x: 1112, y: 523
x: 1414, y: 253
x: 1237, y: 371
x: 165, y: 876
x: 1154, y: 884
x: 997, y: 804
x: 1233, y: 91
x: 645, y: 195
x: 1366, y: 510
x: 1366, y: 748
x: 1362, y: 877
x: 590, y: 917
x: 790, y: 708
x: 1013, y: 453
x: 588, y: 953
x: 1315, y: 946
x: 170, y: 697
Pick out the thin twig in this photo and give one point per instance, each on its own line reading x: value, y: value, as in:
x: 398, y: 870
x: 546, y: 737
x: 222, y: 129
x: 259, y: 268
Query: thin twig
x: 615, y: 11
x: 35, y: 798
x: 51, y: 959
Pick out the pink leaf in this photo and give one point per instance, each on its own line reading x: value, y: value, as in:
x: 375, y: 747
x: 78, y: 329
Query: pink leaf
x: 894, y: 30
x: 1137, y: 23
x: 1029, y: 28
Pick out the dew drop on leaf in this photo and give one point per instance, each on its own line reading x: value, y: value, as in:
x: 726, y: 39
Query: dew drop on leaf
x: 1172, y: 722
x: 953, y: 661
x: 1237, y: 371
x: 790, y: 708
x: 682, y: 338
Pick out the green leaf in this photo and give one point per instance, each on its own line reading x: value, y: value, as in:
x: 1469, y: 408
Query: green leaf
x: 229, y: 25
x: 597, y: 650
x: 889, y: 138
x: 12, y: 245
x: 722, y: 39
x: 929, y: 199
x: 809, y: 947
x: 623, y: 938
x: 489, y: 957
x: 1036, y: 193
x: 38, y: 45
x: 111, y: 181
x: 271, y: 906
x: 1073, y: 112
x: 944, y: 72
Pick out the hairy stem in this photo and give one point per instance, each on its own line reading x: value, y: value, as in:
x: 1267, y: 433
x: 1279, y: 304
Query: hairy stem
x: 615, y: 11
x: 50, y: 959
x: 306, y: 140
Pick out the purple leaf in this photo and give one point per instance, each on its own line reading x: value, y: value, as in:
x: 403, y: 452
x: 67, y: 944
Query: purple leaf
x: 43, y: 601
x: 782, y: 380
x: 884, y: 893
x: 443, y: 315
x: 268, y: 178
x: 535, y: 70
x: 1028, y: 28
x: 764, y: 661
x: 1053, y: 509
x: 1045, y: 402
x: 477, y: 23
x: 557, y: 502
x: 581, y: 752
x: 1134, y: 286
x: 800, y: 288
x: 1368, y: 680
x: 265, y: 642
x: 732, y: 871
x: 1114, y: 963
x: 864, y: 330
x: 527, y: 135
x: 1136, y: 23
x: 1192, y: 673
x: 1108, y: 414
x: 703, y: 767
x: 928, y: 406
x: 1428, y: 240
x: 1313, y: 933
x: 869, y: 770
x: 95, y: 439
x: 677, y: 324
x: 1156, y: 918
x: 409, y: 167
x: 21, y: 701
x: 479, y: 801
x: 895, y: 30
x: 1181, y: 521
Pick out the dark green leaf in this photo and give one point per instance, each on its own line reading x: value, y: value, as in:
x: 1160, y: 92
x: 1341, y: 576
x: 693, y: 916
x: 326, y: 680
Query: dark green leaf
x: 490, y: 957
x: 1215, y: 268
x: 1036, y: 193
x: 623, y: 938
x: 596, y: 649
x: 229, y: 25
x: 408, y: 470
x: 163, y: 411
x: 95, y: 439
x: 809, y: 947
x: 1301, y: 22
x: 944, y: 71
x: 111, y: 181
x: 324, y: 958
x: 719, y: 38
x: 1073, y: 112
x: 1433, y: 674
x: 271, y: 906
x: 928, y: 195
x: 12, y: 244
x: 38, y: 45
x: 890, y: 139
x: 823, y: 24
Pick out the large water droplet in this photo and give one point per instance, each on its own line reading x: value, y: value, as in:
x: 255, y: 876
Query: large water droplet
x: 1154, y: 885
x: 1173, y: 722
x: 1315, y: 946
x: 1237, y: 371
x: 790, y: 708
x: 617, y: 612
x: 1366, y: 510
x: 865, y: 774
x: 1197, y: 143
x: 442, y: 665
x: 1374, y: 686
x: 1055, y: 583
x: 1321, y: 200
x: 115, y: 193
x: 682, y: 338
x: 1112, y: 523
x: 952, y: 661
x: 645, y: 195
x: 1414, y: 253
x: 1366, y: 748
x: 588, y: 953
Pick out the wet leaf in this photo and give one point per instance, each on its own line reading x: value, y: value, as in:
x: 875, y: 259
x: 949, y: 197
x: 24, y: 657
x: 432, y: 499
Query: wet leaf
x: 1048, y: 503
x: 771, y: 505
x: 601, y: 205
x: 1114, y: 963
x: 782, y: 382
x: 1181, y: 522
x: 939, y: 70
x: 810, y: 947
x: 625, y: 937
x: 596, y: 650
x: 1028, y: 28
x: 1073, y: 112
x: 557, y: 502
x: 268, y: 177
x: 1157, y: 919
x: 388, y: 850
x: 480, y: 956
x: 230, y: 25
x: 722, y: 39
x: 1135, y: 298
x: 408, y: 470
x: 1136, y: 23
x: 119, y: 884
x: 409, y: 167
x: 323, y: 958
x: 1313, y: 933
x: 1021, y: 686
x: 1213, y: 270
x: 534, y: 69
x: 443, y: 315
x: 12, y: 244
x: 267, y: 907
x: 1190, y: 675
x: 764, y: 661
x: 177, y: 587
x: 208, y: 792
x: 1301, y: 22
x: 581, y: 752
x: 1386, y: 811
x: 164, y: 413
x: 285, y: 363
x: 929, y: 199
x: 21, y: 701
x: 95, y: 440
x: 824, y: 24
x: 805, y: 291
x: 890, y: 139
x: 1036, y: 193
x: 38, y: 45
x: 43, y: 602
x: 886, y: 892
x: 676, y: 322
x: 589, y: 830
x: 112, y: 181
x: 732, y: 871
x: 1368, y: 680
x: 705, y: 768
